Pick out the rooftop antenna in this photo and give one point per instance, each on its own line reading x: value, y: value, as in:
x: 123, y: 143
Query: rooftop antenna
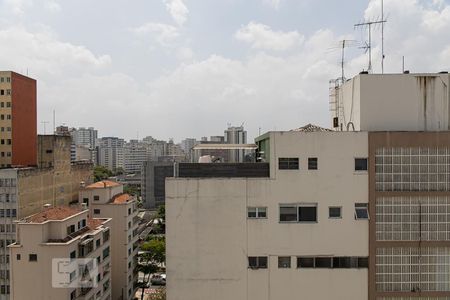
x: 382, y: 37
x: 341, y: 46
x: 368, y: 45
x: 44, y: 123
x: 54, y: 117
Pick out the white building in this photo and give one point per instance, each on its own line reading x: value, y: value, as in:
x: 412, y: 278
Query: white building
x: 236, y: 135
x: 47, y: 247
x: 135, y: 154
x: 85, y: 137
x: 110, y: 152
x: 107, y: 200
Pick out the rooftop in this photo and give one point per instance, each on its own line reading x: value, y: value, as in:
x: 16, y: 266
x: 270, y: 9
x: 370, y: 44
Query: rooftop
x: 103, y: 184
x: 94, y: 223
x: 53, y: 214
x: 121, y: 198
x: 311, y: 128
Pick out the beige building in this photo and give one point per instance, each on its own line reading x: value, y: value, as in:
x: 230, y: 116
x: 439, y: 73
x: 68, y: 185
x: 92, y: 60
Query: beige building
x: 61, y: 253
x: 25, y: 191
x: 301, y: 232
x: 107, y: 200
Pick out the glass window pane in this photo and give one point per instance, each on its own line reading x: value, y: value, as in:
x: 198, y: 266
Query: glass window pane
x: 305, y: 262
x: 307, y: 214
x: 288, y: 214
x: 284, y: 262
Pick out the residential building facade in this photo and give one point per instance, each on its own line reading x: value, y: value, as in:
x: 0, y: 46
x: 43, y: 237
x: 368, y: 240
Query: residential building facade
x: 50, y: 245
x: 106, y: 199
x: 236, y: 135
x: 18, y: 123
x: 110, y: 153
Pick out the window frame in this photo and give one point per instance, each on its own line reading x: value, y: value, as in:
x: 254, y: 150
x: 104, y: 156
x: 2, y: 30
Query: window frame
x: 258, y: 264
x: 361, y: 170
x: 311, y: 163
x: 363, y: 207
x: 258, y: 210
x: 284, y: 266
x: 298, y: 206
x: 292, y: 163
x: 329, y: 212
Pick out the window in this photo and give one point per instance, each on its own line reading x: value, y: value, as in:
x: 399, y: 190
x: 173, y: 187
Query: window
x: 48, y: 151
x: 360, y: 164
x: 86, y: 200
x: 97, y: 243
x: 129, y: 211
x: 307, y: 213
x: 2, y: 92
x: 256, y: 212
x: 73, y: 254
x: 288, y: 213
x: 361, y: 211
x: 9, y: 141
x: 305, y: 262
x: 70, y: 229
x: 323, y: 262
x: 284, y: 262
x: 335, y: 212
x: 18, y: 257
x: 257, y: 262
x: 2, y: 104
x: 288, y: 163
x: 339, y: 262
x: 8, y: 92
x: 298, y: 213
x: 96, y: 198
x: 8, y: 117
x: 312, y: 163
x: 96, y: 211
x: 32, y: 257
x: 8, y: 79
x: 8, y: 104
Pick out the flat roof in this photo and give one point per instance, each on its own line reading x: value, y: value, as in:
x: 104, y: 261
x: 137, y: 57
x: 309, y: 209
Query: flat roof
x: 225, y: 146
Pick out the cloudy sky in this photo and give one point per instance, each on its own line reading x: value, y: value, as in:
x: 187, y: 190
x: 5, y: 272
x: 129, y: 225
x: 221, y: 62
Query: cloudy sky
x: 186, y: 68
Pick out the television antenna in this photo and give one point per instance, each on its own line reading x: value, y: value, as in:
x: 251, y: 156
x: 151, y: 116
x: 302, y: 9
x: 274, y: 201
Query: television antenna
x: 342, y: 44
x: 368, y: 44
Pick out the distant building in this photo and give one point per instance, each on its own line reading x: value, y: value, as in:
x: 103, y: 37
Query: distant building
x: 187, y: 145
x: 236, y: 135
x: 110, y: 152
x: 106, y: 199
x: 18, y: 120
x: 217, y: 139
x: 57, y: 250
x: 86, y: 137
x: 135, y: 154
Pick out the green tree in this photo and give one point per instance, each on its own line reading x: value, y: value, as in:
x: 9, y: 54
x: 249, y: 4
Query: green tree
x: 101, y: 173
x: 151, y: 260
x: 161, y: 213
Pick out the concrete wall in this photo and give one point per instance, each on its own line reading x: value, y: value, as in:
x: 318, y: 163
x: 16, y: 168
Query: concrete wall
x: 401, y: 102
x: 209, y: 236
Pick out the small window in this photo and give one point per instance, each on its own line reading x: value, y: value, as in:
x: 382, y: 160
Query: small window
x: 49, y: 151
x: 96, y: 198
x: 341, y: 262
x: 8, y: 92
x: 257, y: 262
x: 335, y: 122
x: 312, y: 163
x: 305, y: 262
x: 96, y: 211
x: 284, y: 262
x: 86, y: 200
x: 288, y: 163
x: 334, y: 212
x: 256, y: 212
x: 73, y: 254
x: 2, y: 104
x: 97, y: 243
x: 323, y: 262
x: 288, y: 213
x: 32, y: 257
x: 2, y: 92
x: 18, y: 257
x: 129, y: 211
x: 8, y: 117
x: 307, y: 213
x: 8, y: 104
x: 361, y: 211
x: 360, y: 164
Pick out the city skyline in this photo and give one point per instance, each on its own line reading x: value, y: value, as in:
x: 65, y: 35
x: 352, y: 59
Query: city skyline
x: 116, y: 69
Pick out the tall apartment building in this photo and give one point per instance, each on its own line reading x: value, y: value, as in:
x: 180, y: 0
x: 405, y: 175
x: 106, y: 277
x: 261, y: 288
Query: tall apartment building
x: 135, y: 154
x: 24, y: 191
x: 110, y: 152
x: 107, y: 200
x: 18, y: 122
x: 236, y: 135
x: 85, y: 137
x: 61, y: 253
x: 359, y: 213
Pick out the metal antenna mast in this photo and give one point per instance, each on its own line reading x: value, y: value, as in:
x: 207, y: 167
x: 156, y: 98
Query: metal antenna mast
x: 368, y: 46
x: 382, y: 37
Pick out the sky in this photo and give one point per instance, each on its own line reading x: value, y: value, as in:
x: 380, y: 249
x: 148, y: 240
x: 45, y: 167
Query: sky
x: 188, y: 68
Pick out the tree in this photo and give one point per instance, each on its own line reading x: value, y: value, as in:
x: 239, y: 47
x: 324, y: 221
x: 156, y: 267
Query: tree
x: 161, y: 213
x: 101, y: 173
x: 154, y: 255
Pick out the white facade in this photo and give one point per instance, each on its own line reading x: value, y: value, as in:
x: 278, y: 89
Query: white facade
x: 107, y: 200
x: 135, y: 154
x: 63, y: 234
x: 211, y: 238
x: 393, y: 102
x: 85, y: 137
x: 236, y: 135
x: 110, y: 152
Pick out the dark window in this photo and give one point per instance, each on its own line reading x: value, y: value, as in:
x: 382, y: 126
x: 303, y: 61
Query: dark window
x: 323, y: 262
x: 334, y: 212
x: 360, y: 164
x: 97, y: 243
x: 8, y: 104
x: 335, y: 122
x: 96, y: 198
x: 2, y: 92
x: 305, y: 262
x: 361, y: 211
x: 256, y: 212
x: 288, y: 163
x: 48, y: 151
x: 83, y: 223
x: 341, y: 262
x: 18, y: 256
x: 32, y: 257
x: 96, y: 211
x: 73, y: 254
x: 284, y: 262
x: 129, y: 211
x: 288, y: 213
x: 363, y: 262
x: 312, y: 163
x: 307, y: 213
x: 70, y: 229
x: 257, y: 262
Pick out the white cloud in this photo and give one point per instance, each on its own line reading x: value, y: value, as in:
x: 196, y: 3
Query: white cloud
x: 164, y: 34
x: 273, y: 3
x: 261, y: 36
x: 184, y: 53
x: 52, y: 6
x: 177, y: 10
x: 19, y: 7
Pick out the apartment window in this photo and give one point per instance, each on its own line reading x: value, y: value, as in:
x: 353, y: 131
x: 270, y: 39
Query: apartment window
x: 18, y: 257
x: 284, y: 262
x: 298, y: 213
x: 305, y: 262
x: 8, y: 128
x: 96, y: 198
x: 2, y: 104
x: 312, y: 163
x: 8, y: 79
x: 96, y: 211
x: 2, y: 92
x: 2, y: 129
x: 73, y: 275
x: 335, y: 212
x: 8, y: 104
x: 8, y: 117
x: 256, y: 212
x: 339, y: 262
x: 73, y: 254
x: 129, y: 225
x: 9, y: 141
x: 8, y: 92
x: 32, y: 257
x: 361, y: 211
x: 8, y: 154
x: 97, y: 243
x: 288, y: 163
x: 323, y: 262
x: 129, y: 265
x: 257, y: 262
x: 70, y: 229
x: 360, y: 164
x: 129, y: 211
x: 3, y: 154
x: 2, y: 79
x: 105, y: 253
